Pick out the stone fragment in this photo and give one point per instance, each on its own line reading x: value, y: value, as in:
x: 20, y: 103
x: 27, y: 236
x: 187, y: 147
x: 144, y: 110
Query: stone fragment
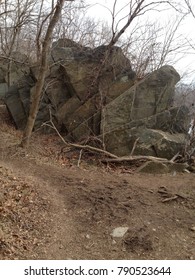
x: 119, y: 232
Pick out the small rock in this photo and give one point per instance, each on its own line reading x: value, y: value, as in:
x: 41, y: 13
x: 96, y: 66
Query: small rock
x: 153, y: 167
x: 119, y: 231
x: 87, y: 236
x: 192, y: 228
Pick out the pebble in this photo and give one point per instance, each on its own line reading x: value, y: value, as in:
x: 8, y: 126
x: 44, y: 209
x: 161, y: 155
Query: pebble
x: 193, y: 228
x: 119, y: 232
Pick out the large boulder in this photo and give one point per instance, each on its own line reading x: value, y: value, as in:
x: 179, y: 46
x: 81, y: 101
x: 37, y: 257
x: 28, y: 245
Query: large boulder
x: 90, y: 85
x: 148, y: 97
x: 77, y: 86
x: 82, y: 67
x: 149, y: 142
x: 15, y: 107
x: 84, y: 118
x: 144, y: 112
x: 162, y: 167
x: 17, y: 100
x: 173, y: 120
x: 3, y: 90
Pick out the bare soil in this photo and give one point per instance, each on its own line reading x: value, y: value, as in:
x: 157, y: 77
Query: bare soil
x: 55, y: 206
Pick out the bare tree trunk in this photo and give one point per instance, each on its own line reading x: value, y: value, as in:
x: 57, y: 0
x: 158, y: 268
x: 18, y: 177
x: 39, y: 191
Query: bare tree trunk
x: 42, y: 72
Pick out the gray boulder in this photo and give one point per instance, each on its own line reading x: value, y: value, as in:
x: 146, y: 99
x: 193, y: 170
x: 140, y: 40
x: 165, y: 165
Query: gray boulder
x: 150, y: 142
x: 17, y: 100
x: 162, y: 168
x: 15, y: 107
x: 3, y: 90
x: 148, y: 97
x: 81, y: 65
x: 144, y: 112
x: 88, y: 88
x: 77, y: 86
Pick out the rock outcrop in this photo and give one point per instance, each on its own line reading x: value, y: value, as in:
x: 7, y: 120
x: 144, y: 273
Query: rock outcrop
x: 95, y: 92
x: 77, y: 86
x: 144, y: 114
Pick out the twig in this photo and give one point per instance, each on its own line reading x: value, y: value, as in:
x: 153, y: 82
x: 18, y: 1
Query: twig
x: 170, y: 198
x: 79, y: 160
x: 174, y: 157
x: 181, y: 195
x: 134, y: 146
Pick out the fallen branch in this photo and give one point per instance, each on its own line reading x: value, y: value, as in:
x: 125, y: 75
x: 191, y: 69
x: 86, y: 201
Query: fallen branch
x: 175, y: 157
x: 134, y: 158
x: 112, y: 158
x: 182, y: 195
x: 78, y: 146
x: 170, y: 196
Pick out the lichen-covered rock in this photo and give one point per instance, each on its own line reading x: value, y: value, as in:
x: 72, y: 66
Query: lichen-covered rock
x: 3, y: 90
x: 149, y: 142
x: 17, y: 100
x: 154, y: 167
x: 15, y: 107
x: 146, y: 98
x: 83, y: 68
x: 144, y: 112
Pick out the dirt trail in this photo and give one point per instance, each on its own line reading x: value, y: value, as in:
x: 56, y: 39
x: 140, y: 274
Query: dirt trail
x: 44, y: 179
x: 51, y: 209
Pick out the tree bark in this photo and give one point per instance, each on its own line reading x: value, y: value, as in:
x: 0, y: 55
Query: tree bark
x: 36, y: 95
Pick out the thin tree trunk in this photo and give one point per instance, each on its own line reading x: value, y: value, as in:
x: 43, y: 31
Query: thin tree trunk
x: 131, y: 17
x: 36, y: 95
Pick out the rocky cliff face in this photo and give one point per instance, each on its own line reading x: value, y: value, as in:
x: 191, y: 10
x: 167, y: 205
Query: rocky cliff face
x: 94, y: 92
